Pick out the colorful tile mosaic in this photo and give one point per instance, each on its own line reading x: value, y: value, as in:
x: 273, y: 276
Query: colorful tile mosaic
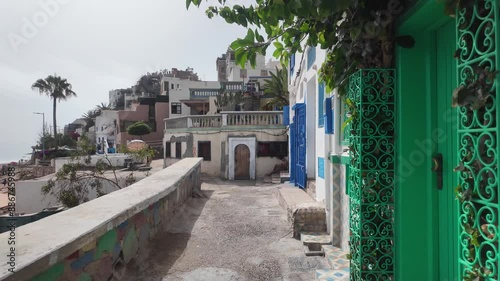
x: 336, y: 206
x: 315, y: 238
x: 106, y: 257
x: 332, y: 275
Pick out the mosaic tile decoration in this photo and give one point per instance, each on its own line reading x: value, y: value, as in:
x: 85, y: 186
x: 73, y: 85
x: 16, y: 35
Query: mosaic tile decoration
x: 315, y: 237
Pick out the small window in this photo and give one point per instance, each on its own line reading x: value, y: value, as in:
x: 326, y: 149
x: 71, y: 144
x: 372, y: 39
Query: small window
x: 263, y: 73
x: 168, y: 152
x: 178, y: 150
x: 165, y: 86
x: 204, y: 150
x: 272, y: 149
x: 176, y: 108
x: 243, y: 73
x: 172, y: 86
x: 178, y: 86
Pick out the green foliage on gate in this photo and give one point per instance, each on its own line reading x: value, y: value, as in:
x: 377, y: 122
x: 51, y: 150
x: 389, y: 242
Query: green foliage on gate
x: 371, y: 102
x: 478, y: 190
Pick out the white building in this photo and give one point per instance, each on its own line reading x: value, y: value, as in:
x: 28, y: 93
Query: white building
x: 234, y: 145
x: 317, y: 148
x: 106, y: 130
x: 228, y: 70
x: 180, y: 90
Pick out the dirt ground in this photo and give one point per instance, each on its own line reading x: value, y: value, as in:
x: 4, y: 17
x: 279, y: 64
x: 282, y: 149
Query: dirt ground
x: 238, y: 232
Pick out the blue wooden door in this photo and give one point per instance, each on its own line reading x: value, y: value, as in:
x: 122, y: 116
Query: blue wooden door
x: 293, y: 150
x: 301, y: 145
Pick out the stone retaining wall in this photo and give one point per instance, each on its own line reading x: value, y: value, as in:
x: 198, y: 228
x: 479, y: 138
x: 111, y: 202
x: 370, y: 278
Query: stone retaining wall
x: 96, y: 240
x: 302, y: 211
x: 308, y: 219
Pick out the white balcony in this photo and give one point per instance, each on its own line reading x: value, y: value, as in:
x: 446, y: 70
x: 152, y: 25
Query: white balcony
x: 227, y: 120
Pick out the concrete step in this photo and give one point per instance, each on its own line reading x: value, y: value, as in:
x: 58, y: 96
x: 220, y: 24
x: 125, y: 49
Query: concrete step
x: 333, y: 275
x: 285, y: 176
x: 337, y: 259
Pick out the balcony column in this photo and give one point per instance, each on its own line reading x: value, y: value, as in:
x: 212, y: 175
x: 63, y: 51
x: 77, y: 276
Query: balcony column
x: 189, y: 122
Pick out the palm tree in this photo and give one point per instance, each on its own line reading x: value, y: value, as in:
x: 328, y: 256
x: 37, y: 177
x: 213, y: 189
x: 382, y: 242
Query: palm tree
x: 57, y: 89
x: 89, y: 117
x: 277, y: 89
x: 103, y: 106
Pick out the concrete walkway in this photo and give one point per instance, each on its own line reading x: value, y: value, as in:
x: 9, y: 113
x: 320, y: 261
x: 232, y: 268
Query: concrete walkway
x: 237, y: 233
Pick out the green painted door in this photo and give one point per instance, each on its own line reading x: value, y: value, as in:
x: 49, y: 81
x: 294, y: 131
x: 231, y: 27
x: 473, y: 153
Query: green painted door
x: 445, y: 134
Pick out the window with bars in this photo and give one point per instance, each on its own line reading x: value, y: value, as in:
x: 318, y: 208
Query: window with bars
x: 176, y: 108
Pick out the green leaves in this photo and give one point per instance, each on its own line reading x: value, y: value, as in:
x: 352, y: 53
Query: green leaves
x: 350, y: 32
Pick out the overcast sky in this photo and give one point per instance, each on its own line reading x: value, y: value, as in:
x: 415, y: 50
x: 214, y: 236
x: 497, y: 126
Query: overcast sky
x: 98, y: 45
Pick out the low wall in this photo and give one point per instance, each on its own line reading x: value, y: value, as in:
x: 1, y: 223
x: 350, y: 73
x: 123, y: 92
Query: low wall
x: 96, y: 240
x: 30, y: 199
x: 117, y: 160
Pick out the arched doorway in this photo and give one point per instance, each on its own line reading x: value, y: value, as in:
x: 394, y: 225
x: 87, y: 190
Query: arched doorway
x: 242, y: 162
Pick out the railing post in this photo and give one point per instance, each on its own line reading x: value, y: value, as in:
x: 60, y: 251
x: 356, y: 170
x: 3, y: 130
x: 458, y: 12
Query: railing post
x: 224, y: 119
x: 189, y: 122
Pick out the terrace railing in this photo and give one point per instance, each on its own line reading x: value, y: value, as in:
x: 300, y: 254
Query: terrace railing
x: 227, y: 119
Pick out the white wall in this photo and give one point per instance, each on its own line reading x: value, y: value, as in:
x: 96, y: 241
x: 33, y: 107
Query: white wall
x: 181, y: 91
x: 105, y: 126
x: 263, y: 165
x: 304, y: 89
x: 233, y: 70
x: 117, y: 160
x: 29, y: 197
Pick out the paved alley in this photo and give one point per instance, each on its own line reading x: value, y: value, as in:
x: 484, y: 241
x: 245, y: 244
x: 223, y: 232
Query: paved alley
x: 238, y: 232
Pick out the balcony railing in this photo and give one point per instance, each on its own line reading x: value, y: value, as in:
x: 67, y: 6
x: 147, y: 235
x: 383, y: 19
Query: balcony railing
x: 232, y: 86
x: 204, y: 93
x: 228, y: 119
x: 205, y: 121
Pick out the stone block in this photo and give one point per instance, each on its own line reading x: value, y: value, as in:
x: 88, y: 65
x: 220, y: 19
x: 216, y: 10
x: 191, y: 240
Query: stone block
x: 130, y: 245
x: 90, y: 246
x: 106, y: 243
x: 82, y: 261
x: 100, y: 269
x: 53, y: 273
x: 84, y: 276
x: 140, y: 219
x: 116, y: 251
x: 144, y: 235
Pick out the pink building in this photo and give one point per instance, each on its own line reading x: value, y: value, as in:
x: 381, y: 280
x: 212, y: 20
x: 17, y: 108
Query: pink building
x: 150, y: 110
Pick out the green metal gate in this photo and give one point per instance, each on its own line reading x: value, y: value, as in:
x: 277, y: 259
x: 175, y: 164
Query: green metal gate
x: 371, y: 101
x: 478, y: 190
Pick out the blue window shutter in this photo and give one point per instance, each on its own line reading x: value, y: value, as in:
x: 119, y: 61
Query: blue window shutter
x: 329, y: 116
x: 321, y: 101
x: 286, y: 115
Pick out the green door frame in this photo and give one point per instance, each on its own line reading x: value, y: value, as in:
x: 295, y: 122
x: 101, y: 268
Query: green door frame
x: 417, y: 246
